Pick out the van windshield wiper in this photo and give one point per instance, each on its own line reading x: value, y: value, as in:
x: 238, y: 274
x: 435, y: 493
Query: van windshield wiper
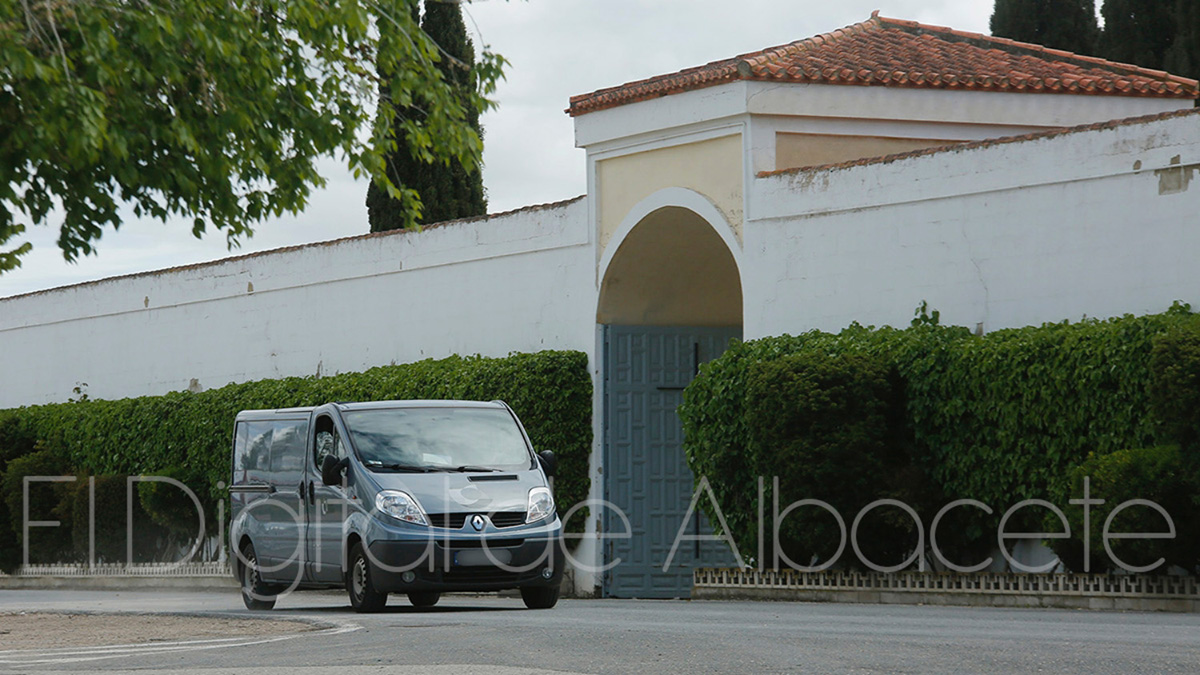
x: 403, y: 468
x: 465, y: 468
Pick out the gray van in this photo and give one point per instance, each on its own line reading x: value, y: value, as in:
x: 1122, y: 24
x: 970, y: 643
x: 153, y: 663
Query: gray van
x: 413, y: 497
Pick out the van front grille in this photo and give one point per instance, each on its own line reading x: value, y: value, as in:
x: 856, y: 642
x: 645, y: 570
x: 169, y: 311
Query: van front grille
x: 479, y: 543
x: 508, y: 518
x: 456, y: 521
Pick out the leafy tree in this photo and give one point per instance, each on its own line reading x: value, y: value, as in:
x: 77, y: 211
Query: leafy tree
x: 1183, y: 58
x: 448, y: 189
x: 211, y: 109
x: 1061, y: 24
x: 1138, y: 31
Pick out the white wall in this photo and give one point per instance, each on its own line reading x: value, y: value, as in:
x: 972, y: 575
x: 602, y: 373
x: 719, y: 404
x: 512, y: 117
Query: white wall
x: 517, y: 282
x: 1009, y: 234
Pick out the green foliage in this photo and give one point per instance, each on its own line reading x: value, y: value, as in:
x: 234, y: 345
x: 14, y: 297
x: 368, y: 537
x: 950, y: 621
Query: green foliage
x: 448, y: 189
x: 188, y: 435
x: 1060, y: 24
x: 1159, y: 474
x: 1175, y: 385
x: 716, y: 410
x: 385, y: 212
x: 15, y: 441
x: 169, y: 507
x: 1183, y: 58
x: 1138, y: 31
x: 213, y: 110
x: 998, y: 418
x: 821, y: 423
x: 1006, y: 416
x: 10, y: 544
x: 46, y: 502
x: 111, y: 510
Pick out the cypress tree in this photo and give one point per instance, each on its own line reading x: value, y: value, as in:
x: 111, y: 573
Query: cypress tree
x: 383, y: 212
x: 1138, y: 31
x: 1059, y: 24
x: 447, y: 191
x: 1183, y: 58
x: 452, y: 191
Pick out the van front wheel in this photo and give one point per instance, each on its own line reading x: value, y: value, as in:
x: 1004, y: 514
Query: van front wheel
x: 539, y: 597
x: 257, y: 595
x: 363, y: 596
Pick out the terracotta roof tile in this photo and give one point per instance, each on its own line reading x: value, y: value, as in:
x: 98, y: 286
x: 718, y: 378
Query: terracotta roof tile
x: 899, y: 53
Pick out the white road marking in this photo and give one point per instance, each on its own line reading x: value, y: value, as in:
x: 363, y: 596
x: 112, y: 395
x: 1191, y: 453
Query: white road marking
x: 78, y: 654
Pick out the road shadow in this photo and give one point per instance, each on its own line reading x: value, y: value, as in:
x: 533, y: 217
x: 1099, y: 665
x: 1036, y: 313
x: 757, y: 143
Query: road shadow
x: 402, y: 609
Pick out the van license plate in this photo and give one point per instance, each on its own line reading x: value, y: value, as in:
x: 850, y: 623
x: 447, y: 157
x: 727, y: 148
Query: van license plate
x: 482, y: 558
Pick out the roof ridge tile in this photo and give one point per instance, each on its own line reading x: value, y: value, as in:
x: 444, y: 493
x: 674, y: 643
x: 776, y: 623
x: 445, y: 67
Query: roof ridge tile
x: 1036, y: 48
x: 939, y: 57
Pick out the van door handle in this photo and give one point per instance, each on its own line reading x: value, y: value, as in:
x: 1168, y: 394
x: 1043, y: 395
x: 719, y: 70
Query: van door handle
x: 253, y: 487
x: 312, y: 495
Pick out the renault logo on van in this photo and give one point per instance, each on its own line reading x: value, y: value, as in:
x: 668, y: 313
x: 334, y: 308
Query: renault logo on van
x: 477, y: 522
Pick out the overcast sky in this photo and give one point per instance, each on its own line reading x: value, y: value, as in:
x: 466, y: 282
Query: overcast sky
x: 557, y: 48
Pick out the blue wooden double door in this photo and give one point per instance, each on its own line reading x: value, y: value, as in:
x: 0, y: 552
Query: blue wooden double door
x: 646, y: 476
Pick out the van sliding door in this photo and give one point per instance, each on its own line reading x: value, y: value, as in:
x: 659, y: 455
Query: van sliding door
x: 287, y: 529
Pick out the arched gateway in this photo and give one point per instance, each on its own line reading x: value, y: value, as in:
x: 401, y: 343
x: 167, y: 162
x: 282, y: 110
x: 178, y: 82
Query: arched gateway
x: 670, y: 299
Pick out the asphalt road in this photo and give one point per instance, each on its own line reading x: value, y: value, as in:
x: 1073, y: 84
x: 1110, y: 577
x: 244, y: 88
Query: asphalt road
x: 470, y: 635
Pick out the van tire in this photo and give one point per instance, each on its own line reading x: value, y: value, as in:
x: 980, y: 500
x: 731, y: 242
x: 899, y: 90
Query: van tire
x: 258, y: 595
x: 540, y: 597
x: 360, y: 584
x: 424, y: 598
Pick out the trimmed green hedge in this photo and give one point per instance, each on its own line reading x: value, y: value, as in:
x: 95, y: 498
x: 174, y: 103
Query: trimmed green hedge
x: 189, y: 435
x: 823, y: 425
x: 1160, y: 474
x: 47, y: 501
x: 1006, y: 416
x: 719, y: 438
x: 1175, y: 390
x: 999, y: 418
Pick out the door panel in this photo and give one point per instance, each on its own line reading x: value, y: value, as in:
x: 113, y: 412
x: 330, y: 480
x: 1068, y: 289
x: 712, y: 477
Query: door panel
x: 287, y: 479
x: 646, y: 474
x: 327, y: 508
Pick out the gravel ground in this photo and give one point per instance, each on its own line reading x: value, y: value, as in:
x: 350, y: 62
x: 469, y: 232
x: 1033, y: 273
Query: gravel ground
x: 53, y: 630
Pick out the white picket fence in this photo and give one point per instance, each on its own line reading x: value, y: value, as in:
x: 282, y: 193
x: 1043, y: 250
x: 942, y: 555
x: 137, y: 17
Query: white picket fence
x: 991, y: 583
x: 207, y: 569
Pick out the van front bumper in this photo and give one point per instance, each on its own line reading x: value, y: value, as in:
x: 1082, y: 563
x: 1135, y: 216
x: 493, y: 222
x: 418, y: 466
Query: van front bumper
x: 465, y: 565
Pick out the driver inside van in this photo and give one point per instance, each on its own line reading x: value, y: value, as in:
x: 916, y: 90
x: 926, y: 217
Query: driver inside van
x: 328, y: 443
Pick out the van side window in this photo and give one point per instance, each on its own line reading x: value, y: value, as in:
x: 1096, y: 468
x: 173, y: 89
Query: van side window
x: 240, y: 437
x: 327, y: 442
x: 253, y: 460
x: 287, y: 451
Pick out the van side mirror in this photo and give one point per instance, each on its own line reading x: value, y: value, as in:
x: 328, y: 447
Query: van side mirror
x: 331, y: 470
x: 549, y: 462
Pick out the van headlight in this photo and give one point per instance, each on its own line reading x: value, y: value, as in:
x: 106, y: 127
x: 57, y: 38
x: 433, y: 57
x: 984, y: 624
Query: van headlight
x: 400, y: 506
x: 541, y: 505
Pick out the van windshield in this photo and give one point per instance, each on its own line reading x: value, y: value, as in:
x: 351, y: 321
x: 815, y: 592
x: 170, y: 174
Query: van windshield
x: 438, y: 439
